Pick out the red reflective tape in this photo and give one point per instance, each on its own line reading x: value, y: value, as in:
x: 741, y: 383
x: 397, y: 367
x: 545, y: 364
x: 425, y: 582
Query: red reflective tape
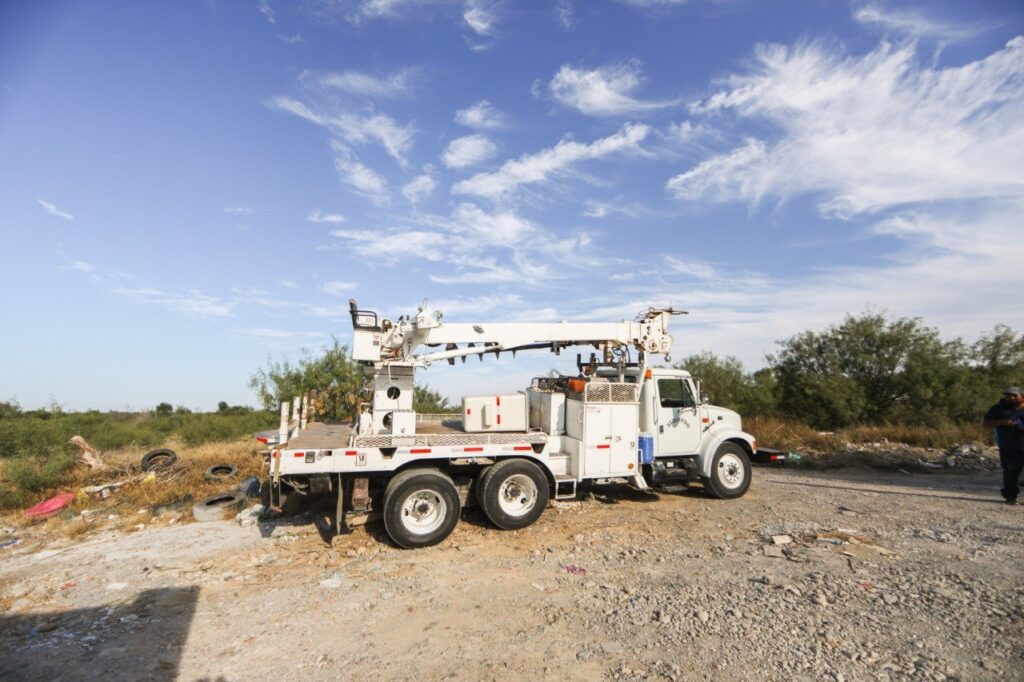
x: 468, y: 411
x: 262, y: 439
x: 351, y: 453
x: 603, y: 447
x: 472, y: 449
x: 499, y: 419
x: 300, y: 454
x: 275, y: 454
x: 497, y: 400
x: 522, y: 448
x: 705, y: 420
x: 420, y: 451
x: 773, y: 457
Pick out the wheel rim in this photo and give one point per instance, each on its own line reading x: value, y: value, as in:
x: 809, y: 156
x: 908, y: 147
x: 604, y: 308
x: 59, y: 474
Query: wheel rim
x: 730, y: 471
x: 423, y: 512
x: 517, y: 495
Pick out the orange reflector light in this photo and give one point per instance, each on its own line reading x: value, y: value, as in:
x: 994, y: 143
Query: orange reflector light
x: 648, y: 374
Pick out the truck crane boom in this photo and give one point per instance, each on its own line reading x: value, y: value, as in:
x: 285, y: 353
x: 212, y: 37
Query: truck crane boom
x: 384, y: 343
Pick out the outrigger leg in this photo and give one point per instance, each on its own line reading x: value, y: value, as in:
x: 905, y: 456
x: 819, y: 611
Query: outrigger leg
x: 341, y: 527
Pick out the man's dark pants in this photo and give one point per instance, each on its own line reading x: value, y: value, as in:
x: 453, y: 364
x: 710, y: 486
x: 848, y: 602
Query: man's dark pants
x: 1012, y: 462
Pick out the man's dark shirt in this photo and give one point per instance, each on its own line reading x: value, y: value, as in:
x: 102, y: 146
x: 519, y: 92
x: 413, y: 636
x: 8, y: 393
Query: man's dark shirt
x: 1011, y: 438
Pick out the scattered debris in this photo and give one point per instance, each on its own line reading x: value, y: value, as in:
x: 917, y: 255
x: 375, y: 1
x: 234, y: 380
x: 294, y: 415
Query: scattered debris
x: 249, y: 517
x: 218, y: 472
x: 158, y: 459
x: 334, y: 581
x: 101, y: 488
x: 575, y: 570
x: 9, y: 543
x: 250, y: 485
x: 50, y: 507
x: 782, y: 539
x: 773, y: 551
x: 217, y: 507
x: 87, y: 453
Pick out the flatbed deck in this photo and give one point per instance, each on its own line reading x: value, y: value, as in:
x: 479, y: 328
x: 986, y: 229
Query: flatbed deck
x: 429, y: 432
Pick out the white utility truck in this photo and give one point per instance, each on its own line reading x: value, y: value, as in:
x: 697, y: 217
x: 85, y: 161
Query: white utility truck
x: 619, y: 419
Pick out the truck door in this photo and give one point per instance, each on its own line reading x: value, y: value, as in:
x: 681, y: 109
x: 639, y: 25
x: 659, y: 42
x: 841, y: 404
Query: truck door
x: 676, y: 417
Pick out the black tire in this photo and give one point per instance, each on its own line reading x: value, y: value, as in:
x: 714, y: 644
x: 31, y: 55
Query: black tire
x: 730, y: 473
x: 438, y: 496
x: 158, y: 459
x: 218, y: 472
x: 219, y: 507
x: 506, y: 482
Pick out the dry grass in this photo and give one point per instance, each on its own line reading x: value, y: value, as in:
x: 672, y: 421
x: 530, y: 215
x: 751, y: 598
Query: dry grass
x: 145, y: 499
x: 785, y: 434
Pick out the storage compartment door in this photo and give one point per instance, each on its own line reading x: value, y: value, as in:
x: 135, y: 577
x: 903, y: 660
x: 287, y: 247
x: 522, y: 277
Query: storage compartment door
x: 597, y: 440
x: 624, y: 430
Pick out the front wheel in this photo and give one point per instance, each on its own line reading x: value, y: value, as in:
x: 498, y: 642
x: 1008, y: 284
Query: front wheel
x: 513, y: 493
x: 421, y: 508
x: 730, y: 472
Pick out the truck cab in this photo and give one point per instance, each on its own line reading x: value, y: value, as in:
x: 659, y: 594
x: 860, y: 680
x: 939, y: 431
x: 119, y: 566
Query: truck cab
x: 693, y: 440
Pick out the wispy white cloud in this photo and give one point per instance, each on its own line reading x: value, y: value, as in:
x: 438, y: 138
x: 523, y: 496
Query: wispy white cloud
x: 336, y: 288
x: 353, y: 128
x: 401, y: 83
x: 869, y: 133
x: 481, y: 17
x: 605, y: 91
x: 191, y: 302
x: 648, y: 4
x: 288, y: 284
x: 54, y: 211
x: 565, y: 14
x: 239, y: 210
x: 481, y: 116
x: 915, y: 23
x: 419, y: 188
x: 467, y: 151
x: 318, y: 216
x: 267, y: 11
x: 362, y: 179
x: 538, y: 167
x: 82, y: 266
x: 293, y: 39
x: 393, y: 246
x: 690, y: 268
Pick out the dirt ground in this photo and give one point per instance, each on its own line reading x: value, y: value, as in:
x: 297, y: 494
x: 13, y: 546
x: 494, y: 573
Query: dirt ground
x: 926, y: 582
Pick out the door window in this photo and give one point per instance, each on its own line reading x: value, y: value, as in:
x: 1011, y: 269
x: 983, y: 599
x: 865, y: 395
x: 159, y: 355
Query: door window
x: 675, y: 393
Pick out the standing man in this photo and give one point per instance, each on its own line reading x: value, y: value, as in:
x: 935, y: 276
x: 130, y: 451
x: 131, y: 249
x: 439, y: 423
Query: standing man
x: 1007, y: 418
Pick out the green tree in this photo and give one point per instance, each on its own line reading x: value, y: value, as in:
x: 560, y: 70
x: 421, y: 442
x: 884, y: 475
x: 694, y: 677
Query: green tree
x: 334, y: 377
x: 870, y: 369
x: 164, y: 409
x: 427, y: 401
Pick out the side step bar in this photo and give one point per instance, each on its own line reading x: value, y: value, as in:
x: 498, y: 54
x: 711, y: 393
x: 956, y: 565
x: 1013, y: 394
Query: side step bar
x: 565, y: 487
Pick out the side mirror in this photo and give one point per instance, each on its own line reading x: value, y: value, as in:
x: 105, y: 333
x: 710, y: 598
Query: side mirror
x: 700, y: 393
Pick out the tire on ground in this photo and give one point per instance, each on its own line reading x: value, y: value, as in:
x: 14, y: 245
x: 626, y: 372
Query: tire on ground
x: 513, y: 493
x: 219, y: 507
x: 219, y: 472
x: 158, y: 459
x: 730, y: 472
x: 421, y: 508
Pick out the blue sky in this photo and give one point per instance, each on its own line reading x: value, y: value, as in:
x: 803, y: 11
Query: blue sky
x: 188, y: 188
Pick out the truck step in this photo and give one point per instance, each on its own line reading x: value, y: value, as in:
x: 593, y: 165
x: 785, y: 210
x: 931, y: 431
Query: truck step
x: 565, y: 487
x: 673, y: 488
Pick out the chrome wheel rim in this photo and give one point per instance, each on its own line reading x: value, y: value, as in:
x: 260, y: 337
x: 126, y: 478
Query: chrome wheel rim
x: 423, y: 512
x: 730, y: 471
x: 517, y: 495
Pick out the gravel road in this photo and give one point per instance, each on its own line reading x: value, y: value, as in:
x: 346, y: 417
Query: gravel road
x: 875, y: 577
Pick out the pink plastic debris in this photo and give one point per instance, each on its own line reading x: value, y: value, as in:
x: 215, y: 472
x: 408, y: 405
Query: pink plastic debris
x: 50, y: 507
x: 575, y: 570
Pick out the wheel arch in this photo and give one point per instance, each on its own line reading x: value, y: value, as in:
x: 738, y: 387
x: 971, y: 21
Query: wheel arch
x: 741, y: 438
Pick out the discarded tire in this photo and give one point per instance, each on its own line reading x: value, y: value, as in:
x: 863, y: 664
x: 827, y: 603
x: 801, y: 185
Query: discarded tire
x: 219, y: 472
x: 249, y: 485
x: 158, y: 459
x: 219, y: 507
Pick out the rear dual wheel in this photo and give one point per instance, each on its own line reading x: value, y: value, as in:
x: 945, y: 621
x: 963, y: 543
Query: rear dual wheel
x: 513, y: 493
x: 421, y: 508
